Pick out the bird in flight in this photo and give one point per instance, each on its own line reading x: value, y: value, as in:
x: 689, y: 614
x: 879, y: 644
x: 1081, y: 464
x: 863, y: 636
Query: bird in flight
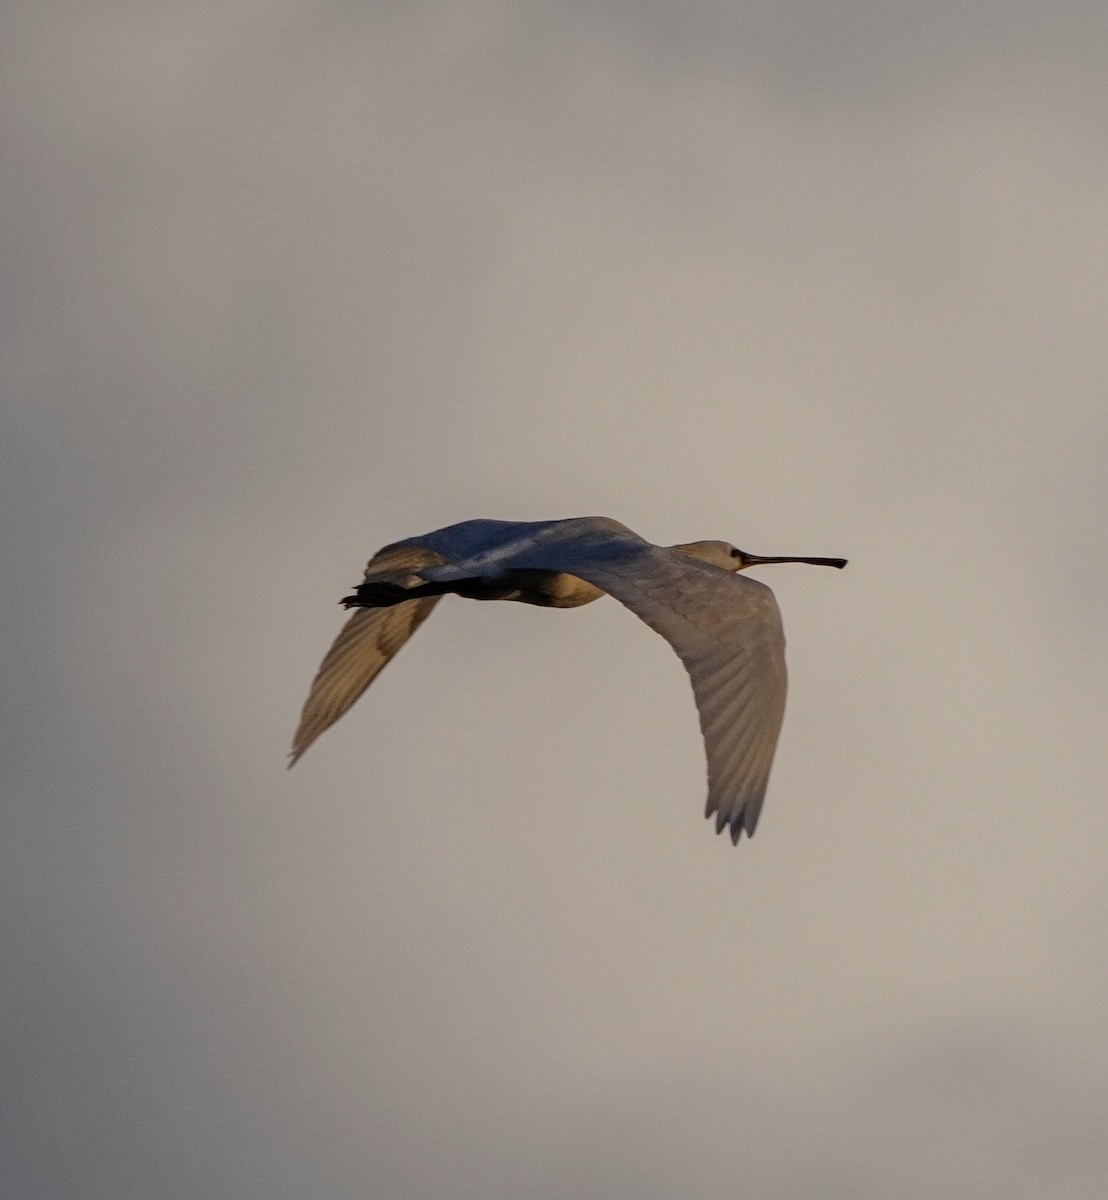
x: 726, y: 628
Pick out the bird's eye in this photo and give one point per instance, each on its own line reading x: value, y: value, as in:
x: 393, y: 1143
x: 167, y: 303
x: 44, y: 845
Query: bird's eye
x: 736, y: 553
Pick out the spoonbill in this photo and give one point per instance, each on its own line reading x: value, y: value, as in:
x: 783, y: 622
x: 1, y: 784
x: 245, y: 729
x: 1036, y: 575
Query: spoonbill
x: 725, y: 628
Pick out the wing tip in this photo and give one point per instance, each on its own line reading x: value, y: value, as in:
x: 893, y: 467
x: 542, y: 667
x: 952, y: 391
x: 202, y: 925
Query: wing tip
x: 736, y: 820
x: 300, y: 746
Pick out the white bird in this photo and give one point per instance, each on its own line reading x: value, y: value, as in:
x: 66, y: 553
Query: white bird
x: 726, y: 629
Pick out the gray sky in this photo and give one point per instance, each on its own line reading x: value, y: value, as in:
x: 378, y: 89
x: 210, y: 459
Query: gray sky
x: 285, y: 282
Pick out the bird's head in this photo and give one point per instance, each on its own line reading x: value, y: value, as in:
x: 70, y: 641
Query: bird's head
x: 718, y: 554
x: 731, y: 558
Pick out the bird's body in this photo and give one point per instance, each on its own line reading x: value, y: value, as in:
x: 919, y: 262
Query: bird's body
x: 726, y: 629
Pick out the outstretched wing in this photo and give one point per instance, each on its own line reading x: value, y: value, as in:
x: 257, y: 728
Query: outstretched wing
x: 366, y: 643
x: 725, y: 628
x: 727, y: 632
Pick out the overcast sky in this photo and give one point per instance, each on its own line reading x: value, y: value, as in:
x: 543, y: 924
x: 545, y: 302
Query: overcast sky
x: 285, y: 282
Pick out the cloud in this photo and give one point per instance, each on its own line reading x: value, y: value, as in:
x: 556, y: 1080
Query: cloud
x: 288, y: 284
